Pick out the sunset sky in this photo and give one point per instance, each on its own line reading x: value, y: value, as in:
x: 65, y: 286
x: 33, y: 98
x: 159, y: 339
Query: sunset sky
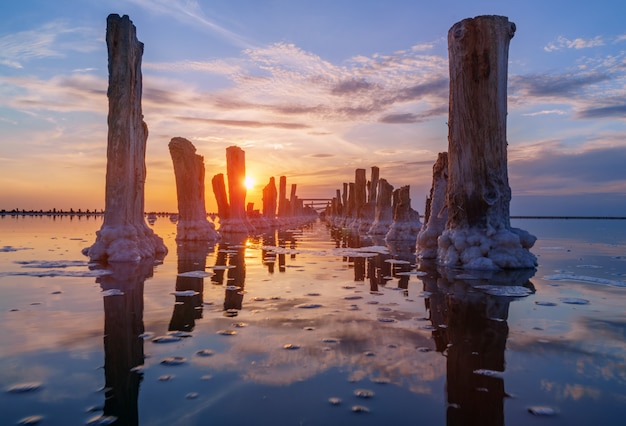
x: 310, y: 90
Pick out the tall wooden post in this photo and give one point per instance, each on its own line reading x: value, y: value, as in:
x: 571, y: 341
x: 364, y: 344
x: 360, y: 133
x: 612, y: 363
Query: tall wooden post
x: 478, y: 193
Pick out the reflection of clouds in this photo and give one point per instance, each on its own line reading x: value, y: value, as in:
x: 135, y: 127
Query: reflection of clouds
x: 572, y: 391
x: 395, y: 356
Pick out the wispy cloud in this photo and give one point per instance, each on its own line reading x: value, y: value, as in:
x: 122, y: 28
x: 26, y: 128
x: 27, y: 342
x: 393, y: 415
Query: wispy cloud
x: 545, y: 112
x: 578, y: 43
x: 190, y: 12
x: 52, y: 40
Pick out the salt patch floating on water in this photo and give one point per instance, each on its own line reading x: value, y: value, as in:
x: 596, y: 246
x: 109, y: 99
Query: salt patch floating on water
x: 112, y: 292
x: 6, y: 249
x: 185, y: 293
x: 25, y: 387
x: 59, y: 273
x: 543, y: 303
x: 540, y: 410
x: 196, y: 274
x: 585, y: 279
x: 101, y: 420
x: 507, y: 291
x: 30, y: 420
x: 488, y: 373
x: 174, y: 360
x: 308, y: 306
x: 166, y: 339
x: 51, y: 264
x: 364, y: 393
x: 574, y: 301
x: 397, y: 262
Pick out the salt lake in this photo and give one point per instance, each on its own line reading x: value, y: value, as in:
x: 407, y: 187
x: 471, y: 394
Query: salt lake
x: 309, y: 326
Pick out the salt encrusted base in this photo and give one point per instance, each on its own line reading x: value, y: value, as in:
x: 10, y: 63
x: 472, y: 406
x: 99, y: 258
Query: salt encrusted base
x: 125, y: 243
x: 487, y: 249
x: 196, y: 231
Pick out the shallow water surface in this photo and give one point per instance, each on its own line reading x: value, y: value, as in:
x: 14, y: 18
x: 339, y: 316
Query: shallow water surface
x: 310, y: 326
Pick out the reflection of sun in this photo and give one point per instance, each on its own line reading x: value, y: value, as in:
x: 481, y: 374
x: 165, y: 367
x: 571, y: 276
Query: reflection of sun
x: 249, y: 182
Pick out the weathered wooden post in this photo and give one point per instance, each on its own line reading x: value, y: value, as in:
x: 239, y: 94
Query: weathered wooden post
x: 221, y: 197
x: 124, y: 235
x: 436, y: 213
x: 189, y: 172
x: 478, y: 233
x: 383, y: 216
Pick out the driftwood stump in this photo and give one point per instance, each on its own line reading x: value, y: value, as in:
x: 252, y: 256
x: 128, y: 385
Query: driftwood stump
x: 478, y: 232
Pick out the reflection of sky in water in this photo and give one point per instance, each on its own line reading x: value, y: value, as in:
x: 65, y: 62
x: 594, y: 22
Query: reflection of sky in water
x: 358, y: 313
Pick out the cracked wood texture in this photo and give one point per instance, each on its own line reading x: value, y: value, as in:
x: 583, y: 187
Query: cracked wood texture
x: 478, y: 190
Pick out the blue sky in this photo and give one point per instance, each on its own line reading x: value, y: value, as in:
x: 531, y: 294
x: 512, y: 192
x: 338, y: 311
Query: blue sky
x: 310, y: 90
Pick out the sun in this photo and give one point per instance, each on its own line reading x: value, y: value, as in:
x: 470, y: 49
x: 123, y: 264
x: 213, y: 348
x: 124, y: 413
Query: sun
x: 249, y: 183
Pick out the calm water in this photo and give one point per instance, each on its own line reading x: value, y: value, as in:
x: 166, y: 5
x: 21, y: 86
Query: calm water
x: 288, y: 321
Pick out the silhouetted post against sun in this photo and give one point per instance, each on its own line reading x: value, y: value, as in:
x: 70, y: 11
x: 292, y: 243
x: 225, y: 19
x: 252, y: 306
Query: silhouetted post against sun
x: 478, y: 233
x: 124, y: 235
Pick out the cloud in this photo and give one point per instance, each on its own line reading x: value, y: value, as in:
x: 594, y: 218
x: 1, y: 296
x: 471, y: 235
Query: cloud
x: 545, y: 112
x: 612, y: 111
x: 245, y: 123
x: 189, y: 12
x: 550, y: 167
x: 578, y: 43
x: 566, y: 85
x: 52, y: 40
x: 407, y: 118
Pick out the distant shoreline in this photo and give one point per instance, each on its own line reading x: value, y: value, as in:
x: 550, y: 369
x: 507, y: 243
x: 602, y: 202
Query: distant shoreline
x: 166, y: 214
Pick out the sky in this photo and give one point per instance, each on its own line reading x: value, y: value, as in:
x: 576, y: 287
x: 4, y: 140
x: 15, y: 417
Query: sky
x: 310, y: 90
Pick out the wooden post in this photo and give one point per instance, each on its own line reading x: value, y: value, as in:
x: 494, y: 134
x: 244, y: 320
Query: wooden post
x: 478, y: 194
x: 124, y: 235
x: 436, y: 213
x: 189, y: 172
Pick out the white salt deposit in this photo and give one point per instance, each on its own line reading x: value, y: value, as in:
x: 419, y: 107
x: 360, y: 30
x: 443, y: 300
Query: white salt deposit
x: 489, y: 249
x: 196, y: 274
x: 185, y: 293
x: 504, y: 290
x: 112, y: 292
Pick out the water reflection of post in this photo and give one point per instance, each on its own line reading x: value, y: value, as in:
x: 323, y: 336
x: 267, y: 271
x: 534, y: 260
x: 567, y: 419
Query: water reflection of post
x: 472, y: 326
x: 123, y: 346
x: 191, y: 257
x: 235, y: 247
x: 268, y: 257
